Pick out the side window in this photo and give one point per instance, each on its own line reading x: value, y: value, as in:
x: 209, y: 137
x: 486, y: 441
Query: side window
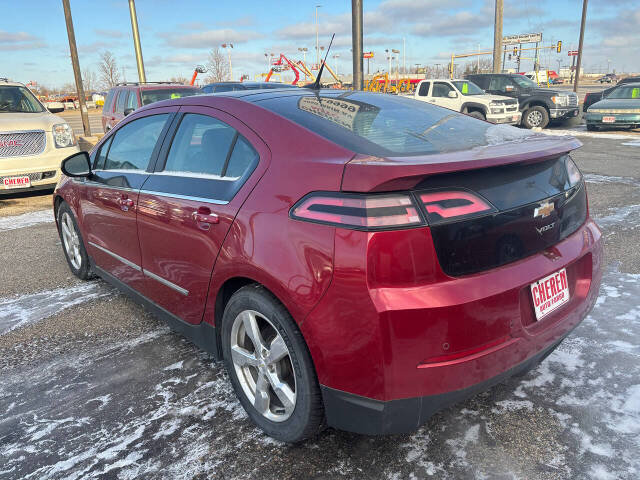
x: 122, y: 98
x: 108, y: 103
x: 101, y: 155
x: 441, y: 89
x: 132, y: 102
x: 498, y: 84
x: 201, y: 145
x: 133, y: 144
x: 243, y: 158
x: 424, y: 89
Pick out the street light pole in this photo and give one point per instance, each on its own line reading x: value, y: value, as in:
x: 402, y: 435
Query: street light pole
x: 497, y: 36
x: 317, y: 39
x: 76, y: 68
x: 356, y: 43
x: 136, y: 41
x: 227, y: 46
x: 579, y: 61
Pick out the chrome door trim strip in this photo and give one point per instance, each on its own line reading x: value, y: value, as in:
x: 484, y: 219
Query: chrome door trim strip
x: 185, y: 197
x: 165, y: 282
x: 146, y: 273
x: 117, y: 257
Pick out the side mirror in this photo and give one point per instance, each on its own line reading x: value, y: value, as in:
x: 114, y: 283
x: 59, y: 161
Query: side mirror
x: 452, y: 94
x: 127, y: 111
x: 77, y: 165
x: 509, y: 88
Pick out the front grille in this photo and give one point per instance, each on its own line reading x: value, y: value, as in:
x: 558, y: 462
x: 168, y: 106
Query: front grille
x: 20, y: 144
x: 33, y: 177
x: 573, y: 100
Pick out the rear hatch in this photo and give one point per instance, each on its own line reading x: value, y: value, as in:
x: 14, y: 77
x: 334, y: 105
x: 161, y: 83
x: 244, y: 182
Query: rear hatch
x: 485, y: 207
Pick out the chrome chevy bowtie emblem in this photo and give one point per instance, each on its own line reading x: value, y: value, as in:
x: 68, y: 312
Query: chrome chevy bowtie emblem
x: 544, y: 210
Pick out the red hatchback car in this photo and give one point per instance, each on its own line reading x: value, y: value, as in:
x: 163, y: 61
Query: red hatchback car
x: 358, y: 260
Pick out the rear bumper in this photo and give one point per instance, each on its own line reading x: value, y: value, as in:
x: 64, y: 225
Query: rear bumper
x: 374, y: 417
x: 621, y: 119
x: 388, y: 369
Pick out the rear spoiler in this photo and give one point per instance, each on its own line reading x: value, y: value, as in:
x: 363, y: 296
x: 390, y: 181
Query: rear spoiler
x: 365, y: 173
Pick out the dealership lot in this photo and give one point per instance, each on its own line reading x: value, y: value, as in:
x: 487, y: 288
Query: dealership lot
x: 93, y: 386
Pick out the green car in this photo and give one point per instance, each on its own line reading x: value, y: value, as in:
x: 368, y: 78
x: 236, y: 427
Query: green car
x: 621, y: 108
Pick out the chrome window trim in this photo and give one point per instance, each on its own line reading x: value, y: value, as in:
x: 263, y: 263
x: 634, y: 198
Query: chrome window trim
x: 185, y: 197
x: 137, y: 268
x: 146, y: 273
x: 166, y: 282
x: 206, y: 176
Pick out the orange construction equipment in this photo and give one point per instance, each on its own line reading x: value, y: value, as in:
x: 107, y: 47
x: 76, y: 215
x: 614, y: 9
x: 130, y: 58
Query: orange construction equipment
x: 291, y: 65
x: 199, y: 69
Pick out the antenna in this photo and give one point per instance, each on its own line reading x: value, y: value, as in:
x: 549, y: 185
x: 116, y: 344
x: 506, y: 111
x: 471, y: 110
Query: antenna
x: 316, y: 84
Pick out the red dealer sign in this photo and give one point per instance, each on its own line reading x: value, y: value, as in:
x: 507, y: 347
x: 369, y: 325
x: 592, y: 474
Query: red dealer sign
x: 550, y: 293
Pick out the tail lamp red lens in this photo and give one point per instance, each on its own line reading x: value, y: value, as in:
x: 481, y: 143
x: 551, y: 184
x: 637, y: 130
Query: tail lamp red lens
x: 443, y: 206
x: 367, y: 212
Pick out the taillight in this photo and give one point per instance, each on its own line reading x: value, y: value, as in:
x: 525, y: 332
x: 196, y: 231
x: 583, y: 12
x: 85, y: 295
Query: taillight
x: 363, y: 212
x: 453, y: 205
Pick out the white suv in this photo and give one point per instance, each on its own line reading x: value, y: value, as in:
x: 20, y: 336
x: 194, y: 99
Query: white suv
x: 33, y: 142
x: 466, y: 97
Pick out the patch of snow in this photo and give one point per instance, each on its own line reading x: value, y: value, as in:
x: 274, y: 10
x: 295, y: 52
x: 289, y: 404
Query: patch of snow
x: 29, y: 219
x: 21, y: 310
x: 175, y: 366
x: 619, y: 215
x: 581, y: 131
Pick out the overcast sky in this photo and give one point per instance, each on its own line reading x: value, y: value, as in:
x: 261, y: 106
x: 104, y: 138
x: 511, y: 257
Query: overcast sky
x: 177, y: 35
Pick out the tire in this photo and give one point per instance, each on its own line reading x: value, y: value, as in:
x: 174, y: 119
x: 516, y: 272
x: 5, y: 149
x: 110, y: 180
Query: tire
x: 72, y: 243
x: 591, y: 127
x: 535, y: 117
x: 478, y: 115
x: 300, y: 415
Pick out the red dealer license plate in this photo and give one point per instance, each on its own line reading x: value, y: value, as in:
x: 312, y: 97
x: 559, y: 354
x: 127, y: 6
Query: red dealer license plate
x: 609, y: 119
x: 550, y: 293
x: 16, y: 182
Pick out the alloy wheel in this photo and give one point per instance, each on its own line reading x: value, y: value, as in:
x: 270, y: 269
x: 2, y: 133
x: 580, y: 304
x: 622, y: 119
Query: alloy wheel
x: 534, y: 118
x: 71, y: 241
x: 263, y: 365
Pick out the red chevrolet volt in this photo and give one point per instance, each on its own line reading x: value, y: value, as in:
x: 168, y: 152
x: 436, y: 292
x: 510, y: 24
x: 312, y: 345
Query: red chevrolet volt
x: 357, y: 260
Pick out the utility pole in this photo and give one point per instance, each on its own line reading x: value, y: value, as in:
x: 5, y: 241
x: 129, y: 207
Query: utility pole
x: 497, y: 36
x: 356, y: 40
x: 584, y: 20
x: 317, y: 40
x: 76, y: 68
x: 404, y: 56
x: 136, y: 42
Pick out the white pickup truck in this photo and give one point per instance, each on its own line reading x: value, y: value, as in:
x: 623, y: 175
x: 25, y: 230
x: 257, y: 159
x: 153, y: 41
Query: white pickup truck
x: 466, y: 97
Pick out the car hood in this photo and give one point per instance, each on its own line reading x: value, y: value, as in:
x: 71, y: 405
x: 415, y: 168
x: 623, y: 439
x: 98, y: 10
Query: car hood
x: 616, y: 103
x: 497, y: 98
x: 28, y: 121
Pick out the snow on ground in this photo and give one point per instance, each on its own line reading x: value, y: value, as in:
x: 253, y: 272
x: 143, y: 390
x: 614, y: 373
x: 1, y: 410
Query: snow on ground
x: 25, y: 220
x: 20, y: 310
x: 581, y: 131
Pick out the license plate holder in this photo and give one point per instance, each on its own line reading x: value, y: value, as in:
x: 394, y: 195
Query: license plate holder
x: 20, y: 181
x: 550, y: 293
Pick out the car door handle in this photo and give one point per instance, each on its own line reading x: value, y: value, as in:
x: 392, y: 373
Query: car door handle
x: 205, y: 216
x: 125, y: 203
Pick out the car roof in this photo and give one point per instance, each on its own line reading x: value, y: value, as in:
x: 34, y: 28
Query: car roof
x: 5, y: 82
x: 155, y: 86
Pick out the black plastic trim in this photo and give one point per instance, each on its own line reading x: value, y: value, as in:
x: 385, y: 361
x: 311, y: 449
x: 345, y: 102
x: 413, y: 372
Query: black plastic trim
x: 367, y: 416
x: 203, y: 335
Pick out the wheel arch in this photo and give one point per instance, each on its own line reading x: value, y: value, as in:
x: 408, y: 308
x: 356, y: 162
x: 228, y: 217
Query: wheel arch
x: 535, y: 103
x: 468, y: 107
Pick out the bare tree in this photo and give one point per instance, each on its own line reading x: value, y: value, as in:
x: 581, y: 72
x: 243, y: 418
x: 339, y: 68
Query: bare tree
x: 89, y: 82
x: 484, y: 65
x: 217, y: 67
x: 179, y: 79
x: 108, y: 69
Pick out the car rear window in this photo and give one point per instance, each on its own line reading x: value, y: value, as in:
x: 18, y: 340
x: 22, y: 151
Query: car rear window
x: 385, y: 125
x: 152, y: 96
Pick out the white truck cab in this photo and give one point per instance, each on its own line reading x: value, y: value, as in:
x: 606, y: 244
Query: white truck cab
x: 466, y: 97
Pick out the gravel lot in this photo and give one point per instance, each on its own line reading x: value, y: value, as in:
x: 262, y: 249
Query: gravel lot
x: 94, y: 387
